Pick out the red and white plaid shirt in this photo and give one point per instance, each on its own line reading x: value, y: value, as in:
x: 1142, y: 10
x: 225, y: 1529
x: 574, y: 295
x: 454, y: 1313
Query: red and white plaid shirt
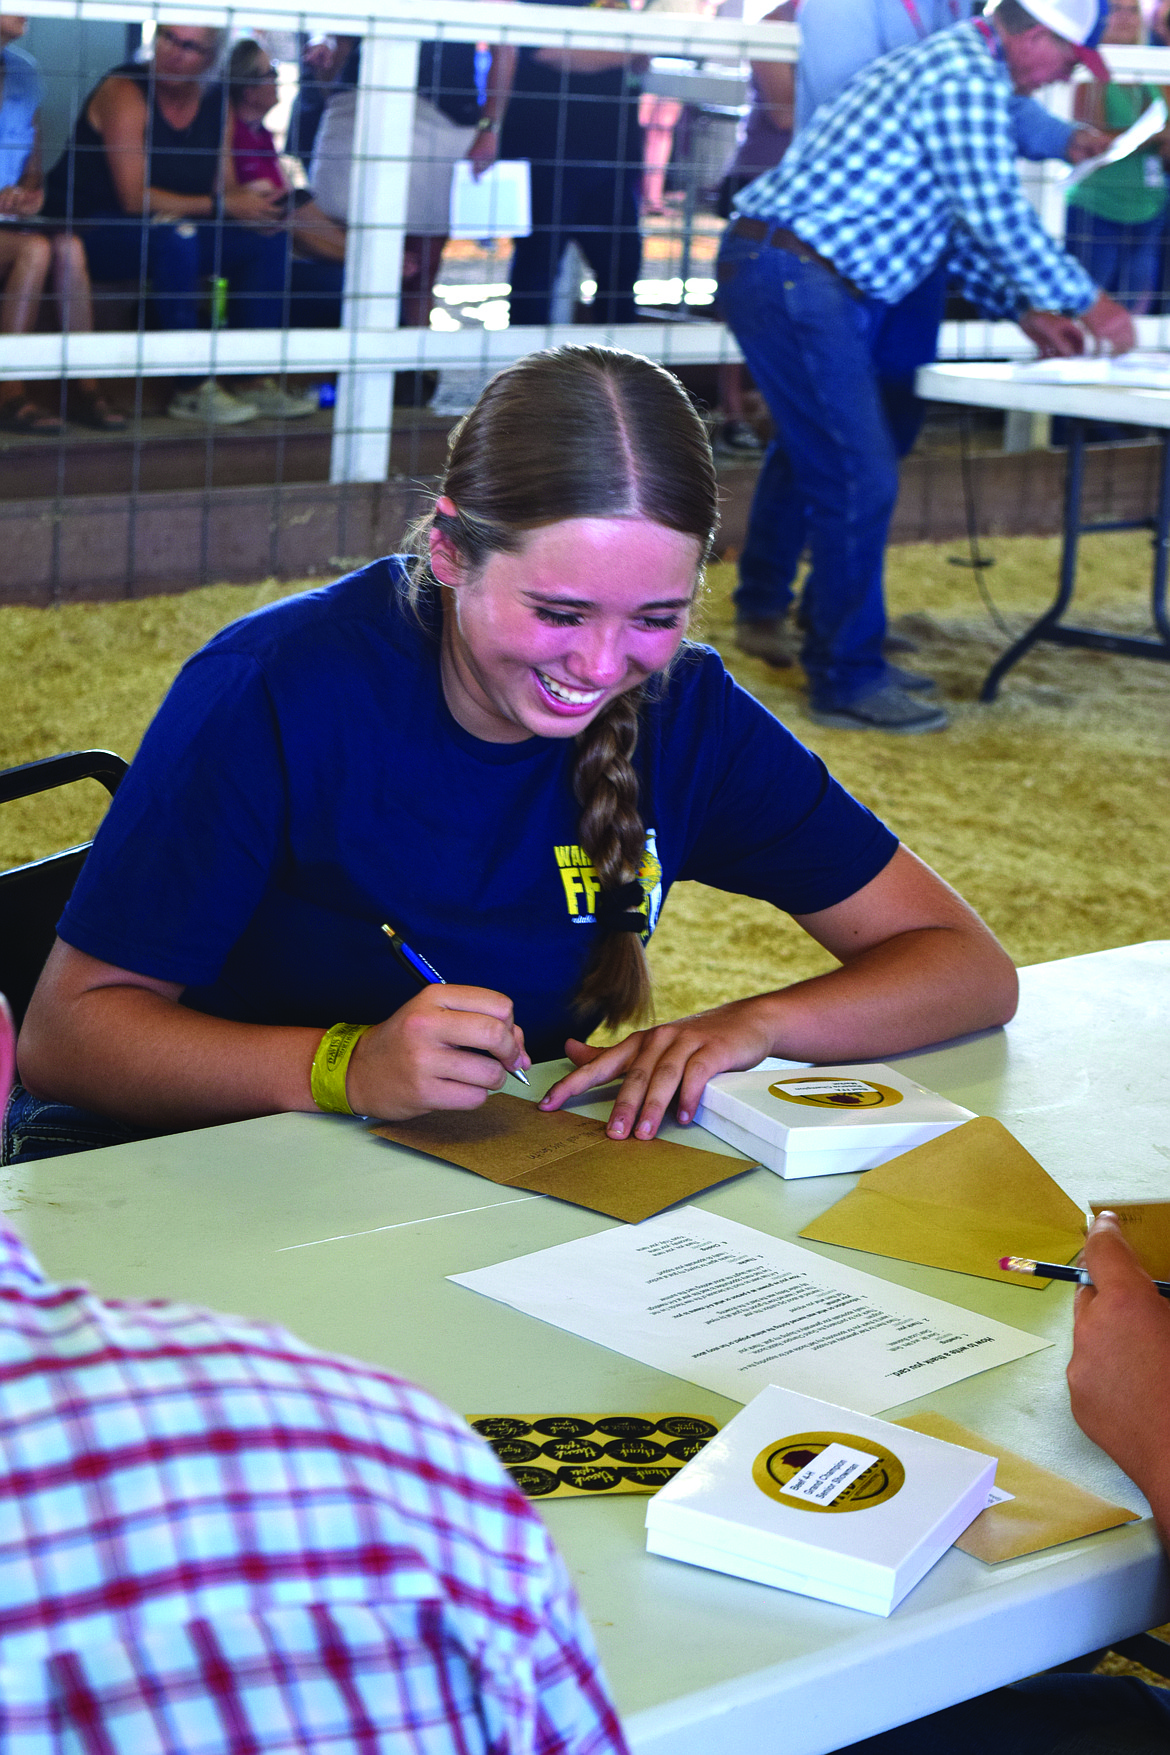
x: 215, y: 1539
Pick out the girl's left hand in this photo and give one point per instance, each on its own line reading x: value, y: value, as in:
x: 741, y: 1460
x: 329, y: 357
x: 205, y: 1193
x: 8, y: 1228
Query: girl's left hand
x: 656, y: 1063
x: 917, y: 966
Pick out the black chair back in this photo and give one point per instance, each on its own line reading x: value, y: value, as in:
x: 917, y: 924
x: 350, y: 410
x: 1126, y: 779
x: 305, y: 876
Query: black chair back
x: 32, y: 896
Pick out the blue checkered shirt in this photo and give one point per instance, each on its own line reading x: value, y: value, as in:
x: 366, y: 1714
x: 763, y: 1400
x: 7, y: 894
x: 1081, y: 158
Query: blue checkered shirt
x: 914, y: 162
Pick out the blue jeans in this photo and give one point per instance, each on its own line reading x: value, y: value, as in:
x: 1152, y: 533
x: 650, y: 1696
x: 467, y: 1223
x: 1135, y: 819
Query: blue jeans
x: 175, y: 257
x: 1046, y: 1715
x: 1124, y: 260
x: 837, y: 372
x: 33, y: 1128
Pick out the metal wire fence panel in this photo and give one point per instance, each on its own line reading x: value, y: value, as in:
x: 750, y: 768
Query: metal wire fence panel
x: 249, y: 321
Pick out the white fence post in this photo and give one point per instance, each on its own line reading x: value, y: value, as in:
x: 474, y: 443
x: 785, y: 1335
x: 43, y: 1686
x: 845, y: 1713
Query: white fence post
x: 380, y: 173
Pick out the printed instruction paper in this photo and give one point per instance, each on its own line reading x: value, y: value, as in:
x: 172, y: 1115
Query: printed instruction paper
x: 732, y: 1309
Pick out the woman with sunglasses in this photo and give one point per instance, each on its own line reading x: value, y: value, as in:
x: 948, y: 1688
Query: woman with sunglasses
x: 317, y: 269
x: 504, y: 748
x: 147, y: 184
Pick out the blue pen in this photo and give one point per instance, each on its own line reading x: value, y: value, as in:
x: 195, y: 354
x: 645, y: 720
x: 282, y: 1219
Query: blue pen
x: 428, y: 976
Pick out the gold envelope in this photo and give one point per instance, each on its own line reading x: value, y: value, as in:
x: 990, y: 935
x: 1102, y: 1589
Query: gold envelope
x: 960, y: 1202
x: 1145, y: 1225
x: 564, y: 1154
x: 1046, y: 1509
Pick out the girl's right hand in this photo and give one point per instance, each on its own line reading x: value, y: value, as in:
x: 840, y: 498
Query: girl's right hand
x: 424, y: 1056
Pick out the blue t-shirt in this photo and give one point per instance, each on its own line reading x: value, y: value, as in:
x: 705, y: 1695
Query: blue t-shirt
x: 19, y: 104
x: 304, y: 781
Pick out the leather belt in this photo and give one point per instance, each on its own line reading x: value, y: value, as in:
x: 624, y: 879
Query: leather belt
x: 780, y: 238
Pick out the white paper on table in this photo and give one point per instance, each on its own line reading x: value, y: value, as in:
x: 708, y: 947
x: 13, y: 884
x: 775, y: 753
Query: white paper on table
x: 732, y: 1309
x: 1145, y: 370
x: 1150, y: 122
x: 496, y: 205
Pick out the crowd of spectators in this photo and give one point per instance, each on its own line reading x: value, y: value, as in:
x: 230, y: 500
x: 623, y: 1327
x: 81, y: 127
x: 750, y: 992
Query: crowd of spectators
x: 173, y: 184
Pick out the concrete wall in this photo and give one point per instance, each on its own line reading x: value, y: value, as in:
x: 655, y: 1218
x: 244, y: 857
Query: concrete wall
x: 104, y: 546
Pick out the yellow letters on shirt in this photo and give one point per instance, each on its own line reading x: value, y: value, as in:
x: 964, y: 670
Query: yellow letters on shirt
x: 582, y: 888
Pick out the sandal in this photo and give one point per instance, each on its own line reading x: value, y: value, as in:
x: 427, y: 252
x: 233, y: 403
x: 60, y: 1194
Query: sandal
x: 92, y: 410
x: 20, y: 416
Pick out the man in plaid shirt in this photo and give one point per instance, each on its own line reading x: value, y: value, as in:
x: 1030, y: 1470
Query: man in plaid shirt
x: 215, y: 1540
x: 912, y: 165
x: 840, y: 37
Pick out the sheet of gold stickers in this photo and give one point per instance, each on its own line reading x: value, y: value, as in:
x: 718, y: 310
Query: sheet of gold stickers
x: 573, y: 1456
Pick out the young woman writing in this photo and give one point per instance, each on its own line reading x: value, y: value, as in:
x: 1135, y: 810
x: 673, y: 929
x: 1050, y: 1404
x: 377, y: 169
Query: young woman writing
x: 505, y: 750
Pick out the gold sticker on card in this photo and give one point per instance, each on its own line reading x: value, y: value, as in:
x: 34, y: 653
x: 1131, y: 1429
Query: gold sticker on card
x: 828, y: 1471
x: 836, y: 1093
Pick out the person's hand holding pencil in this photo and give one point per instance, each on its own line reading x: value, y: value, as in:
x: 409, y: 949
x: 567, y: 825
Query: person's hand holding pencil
x: 449, y: 1047
x: 1119, y: 1373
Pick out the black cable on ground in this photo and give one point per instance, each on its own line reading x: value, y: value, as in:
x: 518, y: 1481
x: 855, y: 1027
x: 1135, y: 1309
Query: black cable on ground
x: 976, y: 560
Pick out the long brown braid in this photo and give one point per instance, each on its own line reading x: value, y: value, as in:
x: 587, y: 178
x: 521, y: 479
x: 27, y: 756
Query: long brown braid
x: 583, y: 432
x: 617, y: 980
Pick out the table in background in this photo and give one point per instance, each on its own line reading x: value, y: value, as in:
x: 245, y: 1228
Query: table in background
x: 309, y: 1221
x: 988, y: 385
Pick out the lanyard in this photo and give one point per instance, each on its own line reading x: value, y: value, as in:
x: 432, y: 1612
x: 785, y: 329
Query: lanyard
x: 915, y: 17
x: 988, y: 35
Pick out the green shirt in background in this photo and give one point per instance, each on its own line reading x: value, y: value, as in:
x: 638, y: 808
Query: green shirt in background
x: 1132, y: 191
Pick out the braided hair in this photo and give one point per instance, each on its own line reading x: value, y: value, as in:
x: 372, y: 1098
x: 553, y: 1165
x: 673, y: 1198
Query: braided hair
x: 583, y: 432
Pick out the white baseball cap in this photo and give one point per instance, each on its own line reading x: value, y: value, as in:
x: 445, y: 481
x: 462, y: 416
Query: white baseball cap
x: 1079, y: 22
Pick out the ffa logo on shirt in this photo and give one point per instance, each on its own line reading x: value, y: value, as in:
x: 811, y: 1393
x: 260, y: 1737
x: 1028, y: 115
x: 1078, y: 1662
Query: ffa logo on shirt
x: 582, y: 888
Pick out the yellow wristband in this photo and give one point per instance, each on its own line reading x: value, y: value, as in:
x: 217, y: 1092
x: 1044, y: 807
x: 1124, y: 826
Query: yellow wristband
x: 330, y: 1064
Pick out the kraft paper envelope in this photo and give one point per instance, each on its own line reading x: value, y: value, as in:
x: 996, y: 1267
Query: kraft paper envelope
x: 1145, y: 1225
x: 564, y: 1154
x: 960, y: 1202
x: 1045, y: 1511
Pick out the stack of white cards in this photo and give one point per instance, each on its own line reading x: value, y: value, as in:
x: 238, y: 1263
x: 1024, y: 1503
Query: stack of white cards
x: 812, y: 1498
x: 824, y: 1120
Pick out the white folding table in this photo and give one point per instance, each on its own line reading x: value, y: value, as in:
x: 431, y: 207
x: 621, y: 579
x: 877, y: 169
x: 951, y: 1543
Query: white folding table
x: 310, y: 1221
x: 987, y: 384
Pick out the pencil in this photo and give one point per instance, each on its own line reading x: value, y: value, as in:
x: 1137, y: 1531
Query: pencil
x: 428, y: 976
x: 1052, y: 1270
